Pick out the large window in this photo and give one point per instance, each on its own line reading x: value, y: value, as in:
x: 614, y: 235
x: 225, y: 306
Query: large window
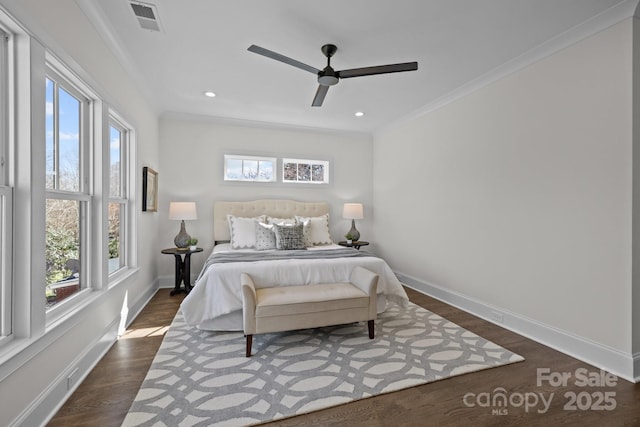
x: 118, y: 210
x: 67, y: 189
x: 66, y: 171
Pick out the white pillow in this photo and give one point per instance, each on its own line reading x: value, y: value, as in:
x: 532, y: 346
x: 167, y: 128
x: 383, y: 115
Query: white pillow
x: 316, y: 229
x: 243, y: 231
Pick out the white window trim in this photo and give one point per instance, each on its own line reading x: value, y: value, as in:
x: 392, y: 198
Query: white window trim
x: 6, y: 258
x: 5, y: 98
x: 89, y: 279
x: 126, y: 220
x: 6, y: 190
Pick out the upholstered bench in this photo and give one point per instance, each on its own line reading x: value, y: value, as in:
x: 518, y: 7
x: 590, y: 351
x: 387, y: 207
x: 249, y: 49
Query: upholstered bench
x: 287, y: 308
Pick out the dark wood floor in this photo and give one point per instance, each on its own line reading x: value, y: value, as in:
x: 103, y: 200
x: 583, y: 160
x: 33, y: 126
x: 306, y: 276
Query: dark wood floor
x: 106, y: 394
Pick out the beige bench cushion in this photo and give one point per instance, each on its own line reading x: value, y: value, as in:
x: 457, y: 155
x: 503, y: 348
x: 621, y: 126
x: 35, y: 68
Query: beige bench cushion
x: 288, y: 300
x: 287, y: 308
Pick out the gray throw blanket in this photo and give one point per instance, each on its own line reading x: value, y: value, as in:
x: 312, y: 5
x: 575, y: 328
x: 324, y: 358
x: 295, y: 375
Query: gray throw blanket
x: 241, y: 256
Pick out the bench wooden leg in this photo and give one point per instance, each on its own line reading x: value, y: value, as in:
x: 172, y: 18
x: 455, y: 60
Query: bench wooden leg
x: 371, y: 329
x: 249, y: 342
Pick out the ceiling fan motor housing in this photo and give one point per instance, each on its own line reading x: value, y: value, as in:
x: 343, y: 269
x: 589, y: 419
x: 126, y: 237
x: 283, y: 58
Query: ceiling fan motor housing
x: 328, y: 77
x: 329, y: 50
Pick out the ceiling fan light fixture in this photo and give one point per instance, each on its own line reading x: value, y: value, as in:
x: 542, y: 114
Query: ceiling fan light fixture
x: 210, y: 94
x: 359, y: 113
x: 327, y: 80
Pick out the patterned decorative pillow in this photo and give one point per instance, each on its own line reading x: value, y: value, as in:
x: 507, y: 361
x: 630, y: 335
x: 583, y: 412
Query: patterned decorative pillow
x: 265, y: 236
x: 289, y: 237
x: 316, y: 230
x: 243, y: 231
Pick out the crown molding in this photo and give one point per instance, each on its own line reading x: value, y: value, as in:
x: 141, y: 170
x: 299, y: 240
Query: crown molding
x: 259, y: 124
x: 612, y: 16
x: 109, y: 35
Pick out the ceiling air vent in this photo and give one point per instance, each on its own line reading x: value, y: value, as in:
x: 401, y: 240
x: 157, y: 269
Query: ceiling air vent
x: 147, y: 15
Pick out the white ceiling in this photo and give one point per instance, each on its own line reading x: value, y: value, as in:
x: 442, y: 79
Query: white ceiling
x: 203, y: 46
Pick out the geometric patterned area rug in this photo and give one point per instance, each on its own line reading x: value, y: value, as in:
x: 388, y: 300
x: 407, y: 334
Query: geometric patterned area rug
x: 203, y: 377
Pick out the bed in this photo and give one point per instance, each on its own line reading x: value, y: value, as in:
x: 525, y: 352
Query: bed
x: 215, y: 302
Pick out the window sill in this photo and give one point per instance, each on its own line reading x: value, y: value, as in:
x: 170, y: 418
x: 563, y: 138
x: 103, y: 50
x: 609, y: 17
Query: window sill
x: 20, y: 351
x: 70, y: 307
x: 121, y: 276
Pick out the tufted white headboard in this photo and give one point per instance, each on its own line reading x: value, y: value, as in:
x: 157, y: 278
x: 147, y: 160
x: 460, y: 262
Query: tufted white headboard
x: 275, y: 208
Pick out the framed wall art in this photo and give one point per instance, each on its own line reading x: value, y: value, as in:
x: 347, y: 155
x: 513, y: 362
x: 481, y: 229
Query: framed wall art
x: 305, y: 171
x: 149, y: 190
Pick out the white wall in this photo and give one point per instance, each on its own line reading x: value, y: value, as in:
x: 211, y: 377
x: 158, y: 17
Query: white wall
x: 34, y: 380
x: 191, y: 169
x: 635, y: 302
x: 519, y: 195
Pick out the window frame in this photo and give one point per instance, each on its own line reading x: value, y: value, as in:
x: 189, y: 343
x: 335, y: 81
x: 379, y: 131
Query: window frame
x: 243, y: 158
x: 6, y: 237
x: 64, y: 79
x: 5, y: 95
x: 7, y: 133
x: 124, y: 200
x: 324, y: 163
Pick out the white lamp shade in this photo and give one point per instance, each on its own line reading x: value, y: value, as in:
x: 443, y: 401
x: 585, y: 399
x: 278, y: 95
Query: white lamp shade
x: 353, y: 211
x: 183, y: 211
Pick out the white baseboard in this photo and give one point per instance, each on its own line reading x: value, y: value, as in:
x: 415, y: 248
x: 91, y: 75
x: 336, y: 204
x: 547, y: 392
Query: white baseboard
x: 624, y: 365
x: 166, y: 282
x: 47, y: 404
x: 53, y: 397
x: 137, y: 306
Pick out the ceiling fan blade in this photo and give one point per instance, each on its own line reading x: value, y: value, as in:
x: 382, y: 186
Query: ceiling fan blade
x: 320, y: 94
x: 380, y: 69
x: 273, y: 55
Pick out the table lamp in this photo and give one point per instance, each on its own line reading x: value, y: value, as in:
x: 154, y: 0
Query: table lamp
x: 182, y: 211
x: 353, y: 211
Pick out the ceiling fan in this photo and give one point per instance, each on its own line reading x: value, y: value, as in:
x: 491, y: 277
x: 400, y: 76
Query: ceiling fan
x: 328, y: 76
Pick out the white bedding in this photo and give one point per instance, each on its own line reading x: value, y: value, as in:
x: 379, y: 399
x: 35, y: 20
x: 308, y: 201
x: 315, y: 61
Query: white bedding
x: 215, y: 302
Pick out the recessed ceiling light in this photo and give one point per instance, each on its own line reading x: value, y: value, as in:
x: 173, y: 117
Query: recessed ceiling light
x: 209, y: 94
x: 359, y: 114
